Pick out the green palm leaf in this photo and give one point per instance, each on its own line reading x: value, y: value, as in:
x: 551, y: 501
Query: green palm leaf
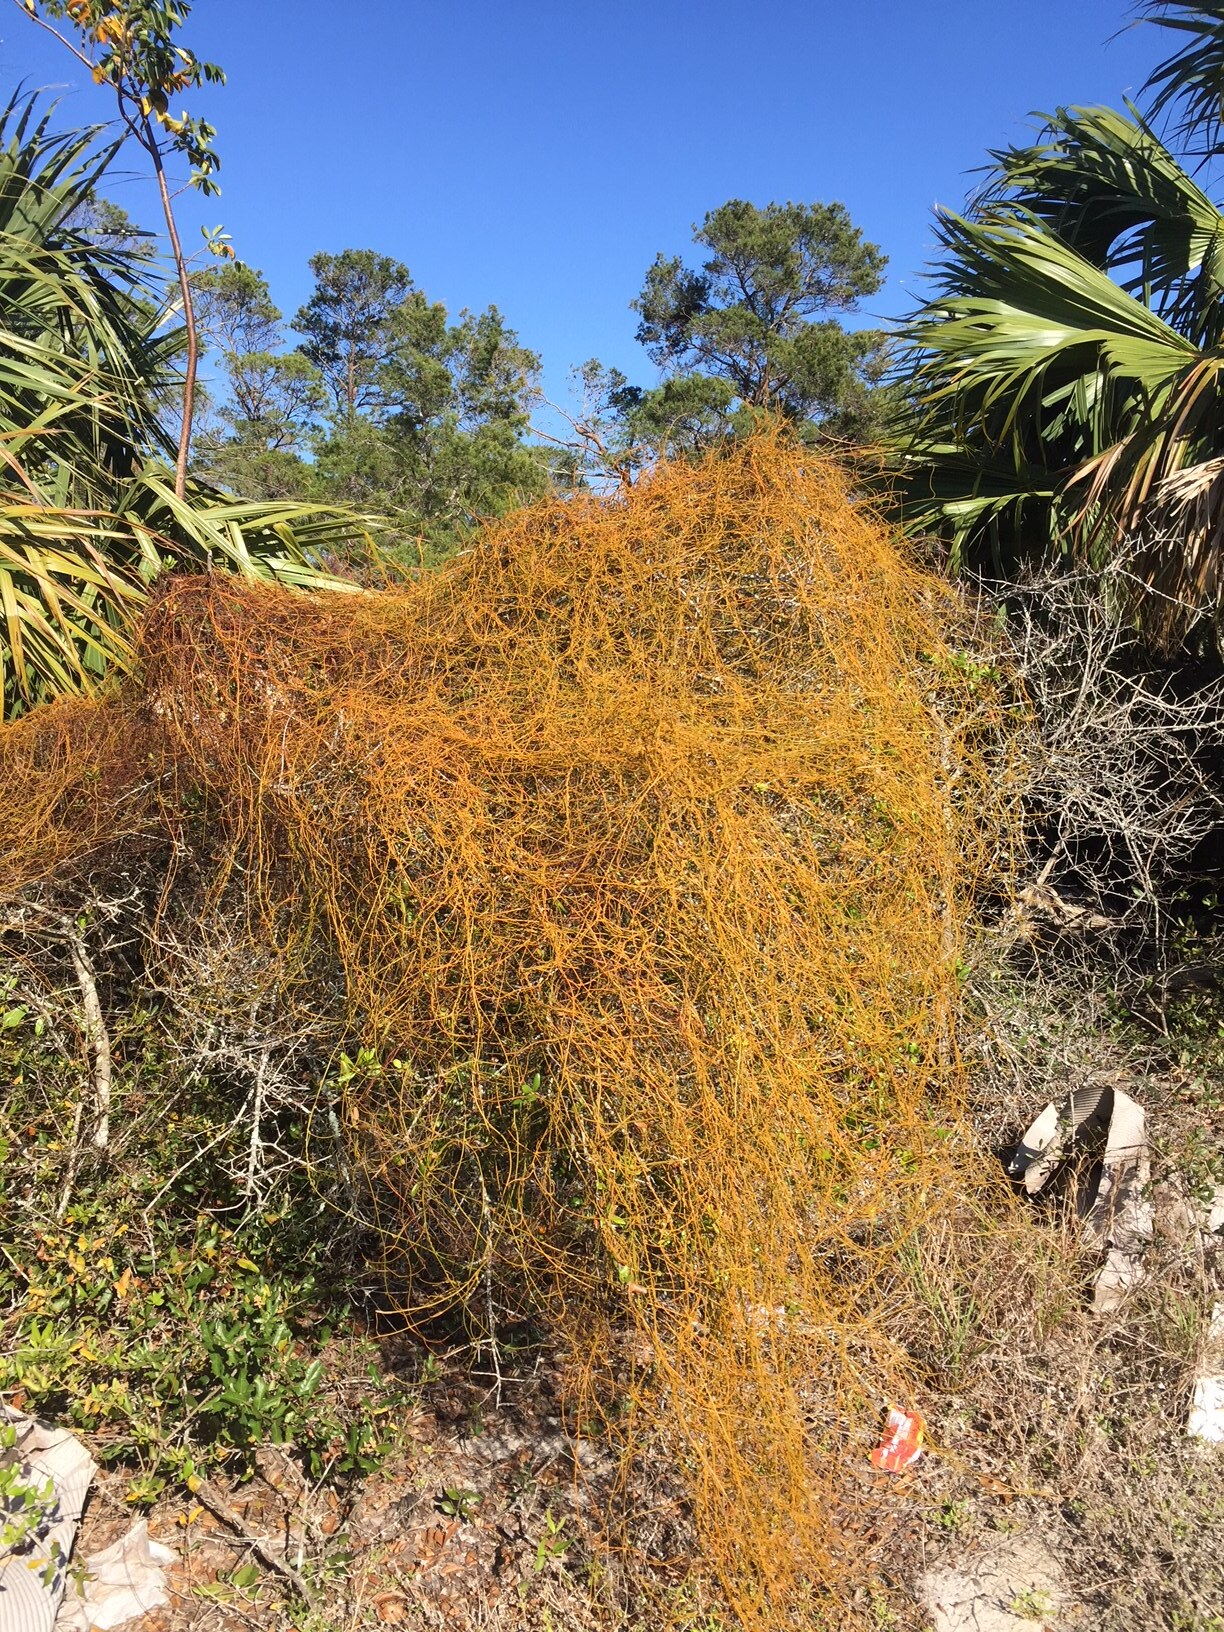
x: 1191, y: 81
x: 88, y: 512
x: 1106, y: 184
x: 1063, y: 389
x: 1030, y: 363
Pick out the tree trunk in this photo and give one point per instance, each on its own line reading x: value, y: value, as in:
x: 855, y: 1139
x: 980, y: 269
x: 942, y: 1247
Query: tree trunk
x: 193, y: 345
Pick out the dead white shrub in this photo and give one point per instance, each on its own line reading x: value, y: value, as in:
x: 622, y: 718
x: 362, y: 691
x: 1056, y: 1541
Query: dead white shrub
x: 262, y: 1017
x: 1118, y: 757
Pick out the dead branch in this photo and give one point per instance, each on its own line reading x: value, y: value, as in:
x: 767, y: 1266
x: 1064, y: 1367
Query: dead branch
x: 35, y: 919
x: 94, y: 1026
x: 216, y: 1504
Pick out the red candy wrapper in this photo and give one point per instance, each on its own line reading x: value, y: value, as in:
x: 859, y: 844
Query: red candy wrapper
x: 901, y: 1445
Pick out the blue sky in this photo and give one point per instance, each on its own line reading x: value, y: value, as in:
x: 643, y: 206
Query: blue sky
x: 538, y: 153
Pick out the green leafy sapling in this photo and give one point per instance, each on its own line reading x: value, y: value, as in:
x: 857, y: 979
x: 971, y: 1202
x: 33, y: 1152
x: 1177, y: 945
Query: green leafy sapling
x: 130, y: 46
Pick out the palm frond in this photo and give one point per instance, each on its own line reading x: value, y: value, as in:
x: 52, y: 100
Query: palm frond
x: 1177, y: 550
x: 1063, y: 390
x: 72, y: 582
x: 1106, y: 184
x: 1024, y: 365
x: 88, y: 512
x: 1190, y: 82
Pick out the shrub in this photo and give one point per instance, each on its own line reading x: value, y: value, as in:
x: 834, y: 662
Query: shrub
x: 641, y: 837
